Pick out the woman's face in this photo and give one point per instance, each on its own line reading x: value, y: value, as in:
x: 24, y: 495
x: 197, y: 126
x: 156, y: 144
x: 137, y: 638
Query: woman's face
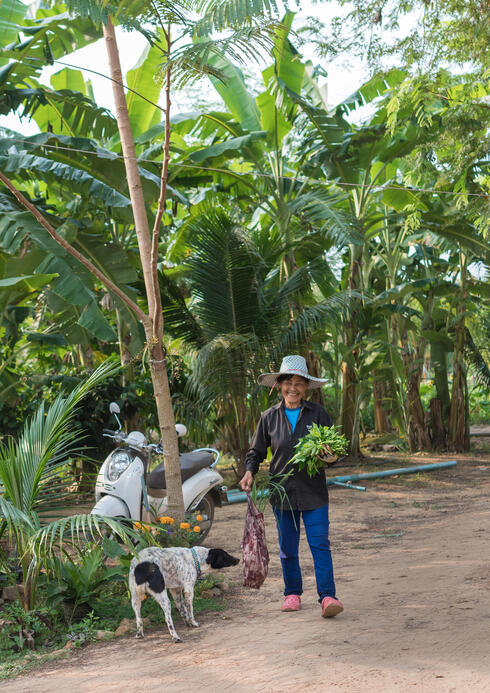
x: 293, y: 390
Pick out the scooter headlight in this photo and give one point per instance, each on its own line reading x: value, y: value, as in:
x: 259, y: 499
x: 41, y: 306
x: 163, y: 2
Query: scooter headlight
x: 120, y: 461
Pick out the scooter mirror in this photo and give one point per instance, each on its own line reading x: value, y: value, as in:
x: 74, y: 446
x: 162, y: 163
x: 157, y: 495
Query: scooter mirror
x: 114, y: 408
x: 181, y: 430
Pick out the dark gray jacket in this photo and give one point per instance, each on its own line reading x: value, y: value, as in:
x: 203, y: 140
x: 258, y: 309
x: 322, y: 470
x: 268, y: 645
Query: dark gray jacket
x: 274, y: 431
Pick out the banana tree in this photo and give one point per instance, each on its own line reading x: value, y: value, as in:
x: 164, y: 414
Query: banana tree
x: 254, y: 155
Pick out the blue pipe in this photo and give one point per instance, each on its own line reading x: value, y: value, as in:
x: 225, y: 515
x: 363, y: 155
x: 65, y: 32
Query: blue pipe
x: 347, y: 484
x: 236, y: 496
x: 392, y: 472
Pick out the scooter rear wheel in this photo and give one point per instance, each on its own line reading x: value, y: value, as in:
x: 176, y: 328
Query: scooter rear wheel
x: 205, y: 507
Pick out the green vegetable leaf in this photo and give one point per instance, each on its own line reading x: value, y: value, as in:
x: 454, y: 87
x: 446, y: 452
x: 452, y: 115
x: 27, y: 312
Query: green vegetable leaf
x: 314, y: 444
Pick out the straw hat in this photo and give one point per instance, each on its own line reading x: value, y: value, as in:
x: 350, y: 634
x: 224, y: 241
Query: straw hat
x: 291, y: 365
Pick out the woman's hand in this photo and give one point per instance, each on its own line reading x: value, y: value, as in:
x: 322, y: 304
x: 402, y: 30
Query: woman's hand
x: 327, y: 450
x: 323, y: 456
x: 246, y: 482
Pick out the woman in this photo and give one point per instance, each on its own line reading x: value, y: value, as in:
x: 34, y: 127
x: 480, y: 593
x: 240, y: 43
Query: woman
x: 280, y: 428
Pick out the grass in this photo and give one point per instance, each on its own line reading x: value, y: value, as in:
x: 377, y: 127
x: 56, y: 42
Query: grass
x: 15, y: 664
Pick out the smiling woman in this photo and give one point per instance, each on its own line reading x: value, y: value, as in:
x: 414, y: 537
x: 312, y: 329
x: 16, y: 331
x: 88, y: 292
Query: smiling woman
x: 280, y: 428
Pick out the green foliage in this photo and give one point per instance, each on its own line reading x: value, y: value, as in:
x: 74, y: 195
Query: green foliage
x: 77, y: 581
x: 433, y: 34
x: 21, y: 630
x: 294, y: 226
x: 311, y: 450
x: 47, y: 440
x: 29, y: 476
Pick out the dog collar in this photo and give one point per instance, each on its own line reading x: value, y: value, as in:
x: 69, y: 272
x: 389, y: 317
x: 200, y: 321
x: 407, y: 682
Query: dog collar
x: 196, y: 562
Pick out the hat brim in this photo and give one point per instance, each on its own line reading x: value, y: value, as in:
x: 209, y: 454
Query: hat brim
x: 270, y: 379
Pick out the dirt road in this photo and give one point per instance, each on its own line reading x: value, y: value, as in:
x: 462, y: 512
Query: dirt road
x: 412, y: 561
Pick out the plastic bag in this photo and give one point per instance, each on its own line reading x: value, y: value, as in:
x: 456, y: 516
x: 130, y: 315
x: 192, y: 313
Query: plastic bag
x: 255, y: 553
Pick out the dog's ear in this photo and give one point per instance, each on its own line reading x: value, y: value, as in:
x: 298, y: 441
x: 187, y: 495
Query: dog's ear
x: 217, y: 558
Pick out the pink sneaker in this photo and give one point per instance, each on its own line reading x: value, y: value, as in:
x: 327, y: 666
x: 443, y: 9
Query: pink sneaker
x: 291, y: 603
x: 331, y: 607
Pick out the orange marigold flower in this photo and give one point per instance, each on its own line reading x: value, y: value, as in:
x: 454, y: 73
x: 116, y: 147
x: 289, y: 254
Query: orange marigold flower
x: 197, y: 529
x: 166, y: 520
x: 147, y: 527
x: 137, y: 525
x: 199, y: 518
x: 185, y: 525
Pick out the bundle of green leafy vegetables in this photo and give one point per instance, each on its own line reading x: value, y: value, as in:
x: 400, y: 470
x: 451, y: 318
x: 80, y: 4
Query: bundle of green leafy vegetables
x: 311, y: 450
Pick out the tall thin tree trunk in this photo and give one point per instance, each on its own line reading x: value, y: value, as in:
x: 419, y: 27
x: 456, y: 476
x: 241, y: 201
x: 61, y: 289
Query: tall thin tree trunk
x: 458, y: 438
x: 438, y: 431
x: 381, y: 421
x: 154, y: 325
x: 418, y: 435
x: 350, y: 386
x: 439, y: 364
x: 315, y: 368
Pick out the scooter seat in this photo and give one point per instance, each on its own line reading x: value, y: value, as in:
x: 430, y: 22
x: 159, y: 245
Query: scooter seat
x: 190, y: 464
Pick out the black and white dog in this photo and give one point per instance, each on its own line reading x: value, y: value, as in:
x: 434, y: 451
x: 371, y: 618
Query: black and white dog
x: 157, y: 570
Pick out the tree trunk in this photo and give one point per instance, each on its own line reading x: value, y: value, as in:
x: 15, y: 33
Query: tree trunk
x: 350, y: 386
x: 315, y: 369
x: 458, y: 436
x: 457, y: 418
x: 439, y: 364
x: 381, y: 421
x: 348, y: 412
x: 437, y: 425
x: 154, y: 324
x: 418, y: 436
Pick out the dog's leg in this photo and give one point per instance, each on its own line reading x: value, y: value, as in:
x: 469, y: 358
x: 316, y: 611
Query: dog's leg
x: 164, y: 601
x: 176, y: 593
x: 136, y: 604
x: 188, y: 599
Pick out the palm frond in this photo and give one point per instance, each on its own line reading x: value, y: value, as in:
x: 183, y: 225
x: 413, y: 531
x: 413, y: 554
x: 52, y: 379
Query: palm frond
x: 12, y: 515
x: 77, y: 529
x: 226, y: 364
x: 477, y: 361
x: 180, y: 322
x: 314, y: 318
x: 192, y: 61
x: 321, y: 208
x: 221, y: 14
x: 72, y: 112
x: 223, y: 268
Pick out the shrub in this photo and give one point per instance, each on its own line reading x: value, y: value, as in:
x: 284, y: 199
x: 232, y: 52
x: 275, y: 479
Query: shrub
x: 76, y: 583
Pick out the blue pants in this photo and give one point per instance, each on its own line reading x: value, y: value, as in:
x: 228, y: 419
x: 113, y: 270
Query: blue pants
x: 316, y: 526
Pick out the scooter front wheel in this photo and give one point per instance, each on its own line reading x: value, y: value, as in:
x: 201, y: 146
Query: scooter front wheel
x: 205, y: 507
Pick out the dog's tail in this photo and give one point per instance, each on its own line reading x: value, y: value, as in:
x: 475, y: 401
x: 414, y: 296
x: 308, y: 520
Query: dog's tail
x: 150, y: 573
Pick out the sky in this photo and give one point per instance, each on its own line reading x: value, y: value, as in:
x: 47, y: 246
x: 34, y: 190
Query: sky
x: 345, y: 75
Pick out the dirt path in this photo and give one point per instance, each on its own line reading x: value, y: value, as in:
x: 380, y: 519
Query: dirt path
x: 412, y: 560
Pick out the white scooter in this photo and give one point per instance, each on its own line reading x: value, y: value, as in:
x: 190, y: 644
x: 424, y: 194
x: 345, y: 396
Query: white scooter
x: 127, y: 489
